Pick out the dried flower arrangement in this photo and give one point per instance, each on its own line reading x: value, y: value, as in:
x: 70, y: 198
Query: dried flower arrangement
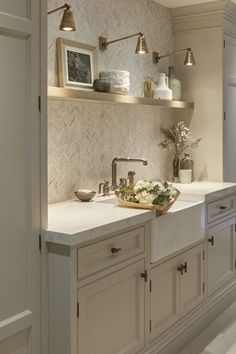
x: 178, y: 138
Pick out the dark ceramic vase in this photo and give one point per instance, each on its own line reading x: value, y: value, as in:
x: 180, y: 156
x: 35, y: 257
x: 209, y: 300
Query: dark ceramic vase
x: 101, y: 85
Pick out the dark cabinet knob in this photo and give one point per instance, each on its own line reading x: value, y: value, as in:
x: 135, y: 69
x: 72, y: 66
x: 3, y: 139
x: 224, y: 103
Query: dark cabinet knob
x: 223, y: 207
x: 144, y: 275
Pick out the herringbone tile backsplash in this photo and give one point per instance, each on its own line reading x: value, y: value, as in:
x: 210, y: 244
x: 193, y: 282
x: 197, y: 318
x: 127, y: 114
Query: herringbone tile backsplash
x: 84, y: 137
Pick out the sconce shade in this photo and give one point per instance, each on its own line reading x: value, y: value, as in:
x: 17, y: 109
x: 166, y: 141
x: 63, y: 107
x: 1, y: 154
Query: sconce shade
x: 67, y: 22
x: 141, y: 47
x: 189, y: 59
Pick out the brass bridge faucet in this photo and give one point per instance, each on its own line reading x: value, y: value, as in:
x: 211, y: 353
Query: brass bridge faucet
x: 114, y: 167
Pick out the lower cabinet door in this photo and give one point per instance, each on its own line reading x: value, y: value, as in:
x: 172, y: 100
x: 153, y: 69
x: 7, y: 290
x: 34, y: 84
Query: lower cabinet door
x: 221, y: 254
x: 111, y: 313
x: 191, y: 279
x: 164, y: 297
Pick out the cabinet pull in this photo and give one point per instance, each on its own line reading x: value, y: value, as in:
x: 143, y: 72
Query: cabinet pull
x: 183, y: 268
x: 223, y: 207
x: 115, y: 250
x: 211, y: 240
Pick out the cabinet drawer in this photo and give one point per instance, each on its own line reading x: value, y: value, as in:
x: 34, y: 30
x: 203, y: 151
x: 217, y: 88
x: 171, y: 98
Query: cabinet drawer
x: 106, y: 253
x: 220, y: 208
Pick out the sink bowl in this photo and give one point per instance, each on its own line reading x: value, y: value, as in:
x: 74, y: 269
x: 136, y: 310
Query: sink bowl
x: 106, y: 199
x: 182, y: 226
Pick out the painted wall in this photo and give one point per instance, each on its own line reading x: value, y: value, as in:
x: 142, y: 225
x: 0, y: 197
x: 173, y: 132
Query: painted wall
x: 84, y: 137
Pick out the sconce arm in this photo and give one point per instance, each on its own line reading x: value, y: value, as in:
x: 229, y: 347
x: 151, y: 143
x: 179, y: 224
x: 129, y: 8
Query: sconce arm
x: 65, y: 6
x: 103, y: 43
x: 156, y: 57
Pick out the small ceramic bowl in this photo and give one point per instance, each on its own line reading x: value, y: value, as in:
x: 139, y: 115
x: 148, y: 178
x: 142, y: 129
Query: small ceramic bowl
x: 85, y: 195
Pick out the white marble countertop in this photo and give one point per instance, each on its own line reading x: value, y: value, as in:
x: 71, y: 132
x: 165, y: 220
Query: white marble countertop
x: 73, y: 223
x: 205, y: 191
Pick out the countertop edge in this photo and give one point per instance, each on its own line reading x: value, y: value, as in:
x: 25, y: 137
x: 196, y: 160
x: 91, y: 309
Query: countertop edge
x: 83, y: 237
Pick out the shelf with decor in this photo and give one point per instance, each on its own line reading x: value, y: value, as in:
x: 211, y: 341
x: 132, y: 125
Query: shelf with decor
x: 73, y: 94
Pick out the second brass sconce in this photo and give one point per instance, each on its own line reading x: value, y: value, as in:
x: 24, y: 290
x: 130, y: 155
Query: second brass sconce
x: 67, y: 22
x: 189, y: 58
x: 141, y: 47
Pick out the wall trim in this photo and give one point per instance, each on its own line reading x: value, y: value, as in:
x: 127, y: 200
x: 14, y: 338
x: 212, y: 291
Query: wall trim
x: 15, y: 324
x: 219, y: 14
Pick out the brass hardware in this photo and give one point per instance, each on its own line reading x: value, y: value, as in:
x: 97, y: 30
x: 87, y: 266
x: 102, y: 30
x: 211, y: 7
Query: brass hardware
x: 183, y: 268
x: 223, y: 207
x: 211, y: 240
x: 67, y: 22
x: 144, y: 275
x: 150, y: 286
x: 203, y: 287
x: 189, y: 58
x: 150, y: 325
x: 114, y: 168
x: 141, y: 47
x: 115, y: 250
x: 104, y: 187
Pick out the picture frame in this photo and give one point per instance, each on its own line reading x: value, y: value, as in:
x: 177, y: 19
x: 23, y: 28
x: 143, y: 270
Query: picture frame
x: 77, y: 64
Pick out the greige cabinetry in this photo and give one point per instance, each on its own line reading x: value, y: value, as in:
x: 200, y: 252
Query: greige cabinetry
x: 97, y: 295
x: 176, y: 288
x: 111, y: 313
x: 220, y: 243
x: 112, y: 303
x: 220, y: 254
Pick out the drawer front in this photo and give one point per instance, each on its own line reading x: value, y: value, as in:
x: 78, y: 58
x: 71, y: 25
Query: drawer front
x: 111, y: 251
x: 220, y: 208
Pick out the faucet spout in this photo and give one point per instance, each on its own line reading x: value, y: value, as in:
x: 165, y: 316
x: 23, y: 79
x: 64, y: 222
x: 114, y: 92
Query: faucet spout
x: 122, y: 159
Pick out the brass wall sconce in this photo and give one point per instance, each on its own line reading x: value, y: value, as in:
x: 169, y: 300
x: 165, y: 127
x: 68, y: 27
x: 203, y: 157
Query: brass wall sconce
x: 67, y: 22
x: 189, y: 58
x: 141, y: 47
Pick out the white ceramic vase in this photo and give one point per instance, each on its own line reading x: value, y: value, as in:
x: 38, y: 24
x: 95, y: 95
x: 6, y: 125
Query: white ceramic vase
x: 162, y: 90
x: 174, y: 85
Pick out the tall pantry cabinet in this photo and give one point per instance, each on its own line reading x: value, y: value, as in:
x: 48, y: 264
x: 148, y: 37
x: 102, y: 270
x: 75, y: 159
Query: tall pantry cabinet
x: 210, y: 30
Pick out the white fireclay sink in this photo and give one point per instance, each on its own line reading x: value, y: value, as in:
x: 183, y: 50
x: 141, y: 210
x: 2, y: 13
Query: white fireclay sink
x: 183, y: 225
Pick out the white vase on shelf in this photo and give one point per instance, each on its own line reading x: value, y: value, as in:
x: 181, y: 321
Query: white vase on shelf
x: 174, y: 85
x: 162, y: 90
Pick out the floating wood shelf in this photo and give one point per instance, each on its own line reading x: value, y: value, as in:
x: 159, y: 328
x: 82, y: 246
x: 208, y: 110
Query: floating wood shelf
x: 72, y: 94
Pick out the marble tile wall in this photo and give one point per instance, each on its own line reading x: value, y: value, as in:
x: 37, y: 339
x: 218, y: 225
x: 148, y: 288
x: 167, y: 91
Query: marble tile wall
x: 83, y: 137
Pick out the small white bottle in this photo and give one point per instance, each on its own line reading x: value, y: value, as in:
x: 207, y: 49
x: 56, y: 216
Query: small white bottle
x: 162, y: 90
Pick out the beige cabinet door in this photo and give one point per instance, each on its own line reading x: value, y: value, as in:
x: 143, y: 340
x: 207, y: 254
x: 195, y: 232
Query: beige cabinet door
x: 191, y: 279
x: 164, y: 297
x: 221, y: 255
x: 20, y: 177
x: 111, y: 313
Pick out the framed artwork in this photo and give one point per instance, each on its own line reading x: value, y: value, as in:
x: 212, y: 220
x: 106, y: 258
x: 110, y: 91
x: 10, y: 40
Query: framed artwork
x: 77, y: 64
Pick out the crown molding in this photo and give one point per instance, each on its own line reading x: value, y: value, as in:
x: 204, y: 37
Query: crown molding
x: 218, y: 14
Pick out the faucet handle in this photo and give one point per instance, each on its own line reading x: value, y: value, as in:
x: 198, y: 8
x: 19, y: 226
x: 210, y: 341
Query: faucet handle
x: 131, y: 175
x: 123, y: 183
x: 104, y: 187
